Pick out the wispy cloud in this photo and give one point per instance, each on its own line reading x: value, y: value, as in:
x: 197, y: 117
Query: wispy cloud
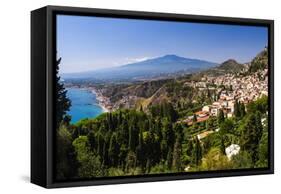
x: 129, y: 60
x: 71, y: 67
x: 135, y: 60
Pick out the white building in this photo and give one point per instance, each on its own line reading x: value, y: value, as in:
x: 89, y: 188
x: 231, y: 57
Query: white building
x: 206, y: 108
x: 232, y: 150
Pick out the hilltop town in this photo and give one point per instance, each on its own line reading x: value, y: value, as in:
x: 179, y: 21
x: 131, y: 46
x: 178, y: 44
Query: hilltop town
x: 241, y: 88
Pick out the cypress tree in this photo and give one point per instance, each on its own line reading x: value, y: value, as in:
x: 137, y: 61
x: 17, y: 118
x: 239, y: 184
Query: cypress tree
x: 63, y: 103
x: 237, y: 112
x: 251, y: 135
x: 170, y: 158
x: 242, y: 110
x: 171, y: 113
x: 113, y: 150
x: 162, y: 111
x: 221, y: 117
x: 92, y: 140
x: 259, y: 132
x: 178, y: 131
x: 132, y: 138
x: 222, y: 146
x: 177, y: 155
x: 170, y: 135
x: 196, y: 152
x: 139, y: 150
x: 120, y: 119
x: 194, y: 119
x: 189, y: 147
x: 99, y: 144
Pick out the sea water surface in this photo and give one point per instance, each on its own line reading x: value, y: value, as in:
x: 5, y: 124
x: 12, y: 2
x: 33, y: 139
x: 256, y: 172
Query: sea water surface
x: 83, y: 104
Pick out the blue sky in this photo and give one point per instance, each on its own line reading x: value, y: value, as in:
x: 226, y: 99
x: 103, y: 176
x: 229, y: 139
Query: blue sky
x: 90, y: 43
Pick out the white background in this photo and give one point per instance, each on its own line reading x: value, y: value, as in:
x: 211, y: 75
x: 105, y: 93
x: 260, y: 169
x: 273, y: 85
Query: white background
x: 15, y: 94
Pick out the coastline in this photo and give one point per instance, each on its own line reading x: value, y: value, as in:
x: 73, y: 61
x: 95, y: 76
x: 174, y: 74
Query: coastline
x: 104, y: 109
x: 101, y: 99
x: 84, y: 104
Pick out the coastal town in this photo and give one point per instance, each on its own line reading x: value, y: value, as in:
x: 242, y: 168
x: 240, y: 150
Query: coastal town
x: 243, y: 89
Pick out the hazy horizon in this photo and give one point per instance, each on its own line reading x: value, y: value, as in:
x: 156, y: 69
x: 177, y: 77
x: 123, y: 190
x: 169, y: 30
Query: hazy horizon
x: 90, y: 43
x: 132, y: 62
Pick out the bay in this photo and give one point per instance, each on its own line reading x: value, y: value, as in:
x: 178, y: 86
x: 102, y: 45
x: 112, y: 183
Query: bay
x: 83, y: 104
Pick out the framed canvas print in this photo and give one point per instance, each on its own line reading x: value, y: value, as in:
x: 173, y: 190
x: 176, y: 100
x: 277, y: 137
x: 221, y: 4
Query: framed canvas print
x: 125, y: 96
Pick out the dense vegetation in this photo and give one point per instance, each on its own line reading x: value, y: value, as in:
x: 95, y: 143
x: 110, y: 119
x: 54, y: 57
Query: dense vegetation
x: 130, y: 142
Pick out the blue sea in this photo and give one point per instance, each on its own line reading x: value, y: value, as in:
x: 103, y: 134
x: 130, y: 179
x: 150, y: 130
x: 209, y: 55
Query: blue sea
x: 83, y: 104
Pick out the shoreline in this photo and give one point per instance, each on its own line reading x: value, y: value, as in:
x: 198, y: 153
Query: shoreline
x: 100, y: 99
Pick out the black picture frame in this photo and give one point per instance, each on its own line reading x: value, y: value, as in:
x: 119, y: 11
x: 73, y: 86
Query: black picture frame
x: 43, y: 59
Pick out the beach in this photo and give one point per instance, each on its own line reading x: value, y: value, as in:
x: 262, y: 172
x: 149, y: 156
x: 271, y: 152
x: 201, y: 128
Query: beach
x: 102, y: 101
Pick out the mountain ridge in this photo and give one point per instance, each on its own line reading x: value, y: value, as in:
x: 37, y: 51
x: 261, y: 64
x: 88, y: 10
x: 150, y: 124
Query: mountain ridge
x: 167, y: 64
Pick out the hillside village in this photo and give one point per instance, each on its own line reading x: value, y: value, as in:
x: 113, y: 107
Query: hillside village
x: 243, y: 89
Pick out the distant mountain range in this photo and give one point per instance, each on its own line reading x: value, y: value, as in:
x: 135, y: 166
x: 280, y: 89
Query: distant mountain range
x: 156, y: 67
